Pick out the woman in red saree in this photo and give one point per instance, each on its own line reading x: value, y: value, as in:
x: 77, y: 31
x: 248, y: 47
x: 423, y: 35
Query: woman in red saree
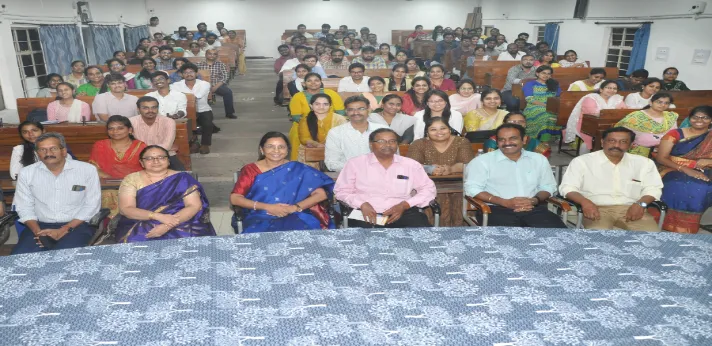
x: 116, y: 157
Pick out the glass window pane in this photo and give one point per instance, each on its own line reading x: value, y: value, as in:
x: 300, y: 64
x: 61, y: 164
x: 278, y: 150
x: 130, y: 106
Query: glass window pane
x: 24, y: 46
x: 613, y: 52
x: 625, y: 60
x: 41, y: 69
x: 616, y: 40
x: 26, y: 60
x: 611, y: 64
x: 618, y: 30
x: 29, y: 71
x: 34, y: 34
x: 39, y: 58
x: 22, y: 35
x: 36, y: 46
x: 626, y: 53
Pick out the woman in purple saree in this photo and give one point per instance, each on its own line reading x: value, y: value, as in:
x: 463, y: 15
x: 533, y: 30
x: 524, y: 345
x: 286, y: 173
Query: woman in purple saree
x: 158, y: 203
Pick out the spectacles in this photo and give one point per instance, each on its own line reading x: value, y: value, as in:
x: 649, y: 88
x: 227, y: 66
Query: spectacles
x: 671, y: 72
x: 352, y: 110
x: 50, y: 150
x: 155, y: 158
x: 700, y: 117
x: 383, y: 141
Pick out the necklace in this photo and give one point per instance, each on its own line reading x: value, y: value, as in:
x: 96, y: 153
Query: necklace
x: 120, y: 151
x: 151, y: 180
x: 486, y: 112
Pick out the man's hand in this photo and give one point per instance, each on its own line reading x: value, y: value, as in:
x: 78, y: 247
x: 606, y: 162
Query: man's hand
x: 369, y: 214
x: 395, y: 212
x: 590, y: 211
x: 174, y: 116
x: 635, y: 212
x: 55, y: 234
x: 519, y: 204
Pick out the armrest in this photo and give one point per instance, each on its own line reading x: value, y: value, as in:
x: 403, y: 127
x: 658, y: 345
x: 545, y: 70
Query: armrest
x: 99, y: 217
x: 8, y: 218
x: 560, y: 203
x: 435, y: 206
x: 479, y: 204
x: 659, y: 205
x: 570, y: 202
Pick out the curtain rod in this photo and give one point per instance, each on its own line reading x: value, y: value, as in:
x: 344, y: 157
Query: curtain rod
x: 559, y: 22
x: 623, y: 23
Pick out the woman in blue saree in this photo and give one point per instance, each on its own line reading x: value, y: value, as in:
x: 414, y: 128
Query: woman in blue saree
x: 159, y: 203
x: 685, y: 159
x: 281, y: 195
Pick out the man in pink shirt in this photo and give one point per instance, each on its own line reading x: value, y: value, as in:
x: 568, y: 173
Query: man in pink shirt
x: 381, y: 183
x: 154, y: 129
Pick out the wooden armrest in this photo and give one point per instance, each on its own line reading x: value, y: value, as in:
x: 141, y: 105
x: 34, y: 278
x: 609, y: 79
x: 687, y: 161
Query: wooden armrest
x: 479, y: 204
x: 561, y: 203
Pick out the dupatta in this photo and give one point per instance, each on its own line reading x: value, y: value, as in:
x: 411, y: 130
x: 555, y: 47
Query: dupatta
x: 574, y: 123
x: 104, y: 157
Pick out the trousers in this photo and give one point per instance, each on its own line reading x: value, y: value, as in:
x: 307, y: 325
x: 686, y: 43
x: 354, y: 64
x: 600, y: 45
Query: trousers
x: 226, y: 94
x: 205, y: 121
x: 511, y: 102
x: 614, y: 217
x: 175, y: 164
x: 412, y: 217
x: 538, y: 217
x: 79, y: 237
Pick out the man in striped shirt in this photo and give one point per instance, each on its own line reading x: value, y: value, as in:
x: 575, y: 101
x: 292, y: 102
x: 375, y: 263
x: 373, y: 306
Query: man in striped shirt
x: 218, y: 80
x: 55, y: 198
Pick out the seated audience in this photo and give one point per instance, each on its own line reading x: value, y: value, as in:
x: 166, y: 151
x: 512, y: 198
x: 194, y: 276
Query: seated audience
x: 144, y: 43
x: 514, y: 182
x: 527, y: 46
x: 445, y: 46
x: 325, y: 28
x: 613, y: 187
x: 436, y: 104
x: 650, y: 124
x: 171, y: 103
x: 389, y: 114
x: 116, y: 65
x: 350, y: 139
x: 78, y: 76
x: 314, y: 127
x: 277, y: 194
x: 414, y: 98
x: 532, y: 144
x: 158, y: 40
x: 511, y: 54
x: 438, y: 80
x: 685, y: 160
x: 571, y: 60
x: 297, y: 84
x: 143, y: 78
x: 540, y: 49
x: 491, y: 47
x: 212, y: 42
x: 139, y: 54
x: 369, y: 59
x: 24, y: 154
x: 158, y: 203
x: 547, y: 59
x: 606, y: 97
x: 632, y: 82
x: 337, y: 61
x: 382, y: 184
x: 639, y: 100
x: 355, y: 49
x: 413, y: 69
x: 457, y: 59
x: 593, y: 82
x: 489, y: 116
x: 377, y: 86
x: 153, y: 129
x: 116, y: 157
x: 202, y: 31
x: 401, y: 58
x: 302, y: 30
x: 284, y: 55
x: 165, y: 61
x: 204, y: 117
x: 219, y: 75
x: 121, y: 55
x: 190, y: 36
x: 670, y: 82
x: 300, y: 53
x: 442, y: 153
x: 67, y: 107
x: 466, y: 99
x: 311, y: 61
x: 172, y: 43
x: 356, y: 82
x: 153, y: 53
x: 540, y: 123
x: 202, y: 43
x: 417, y: 35
x: 399, y: 80
x: 194, y: 50
x: 177, y: 64
x: 438, y: 32
x: 51, y: 87
x: 96, y: 82
x: 384, y: 51
x: 181, y: 35
x: 478, y: 55
x: 346, y: 46
x: 373, y: 42
x: 501, y: 43
x: 55, y: 218
x: 516, y: 75
x: 115, y: 102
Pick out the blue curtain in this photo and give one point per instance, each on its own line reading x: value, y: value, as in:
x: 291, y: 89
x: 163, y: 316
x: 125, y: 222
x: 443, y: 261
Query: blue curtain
x: 133, y: 35
x: 640, y: 48
x: 61, y: 44
x: 106, y: 40
x: 551, y: 35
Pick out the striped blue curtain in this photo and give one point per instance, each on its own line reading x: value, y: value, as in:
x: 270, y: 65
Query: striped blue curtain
x: 61, y: 44
x: 640, y: 48
x: 106, y: 40
x: 133, y: 35
x: 551, y: 35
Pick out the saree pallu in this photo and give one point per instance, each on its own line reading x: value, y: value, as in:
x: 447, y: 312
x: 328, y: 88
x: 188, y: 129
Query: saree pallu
x: 687, y: 198
x: 105, y: 158
x: 289, y: 183
x: 166, y: 197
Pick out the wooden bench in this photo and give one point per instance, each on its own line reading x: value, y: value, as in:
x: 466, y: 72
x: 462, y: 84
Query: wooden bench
x: 399, y: 38
x: 80, y: 139
x: 383, y: 73
x: 135, y: 69
x: 594, y: 126
x: 497, y: 77
x: 479, y: 72
x: 424, y: 49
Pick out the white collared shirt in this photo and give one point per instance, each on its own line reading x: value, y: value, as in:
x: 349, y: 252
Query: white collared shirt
x: 505, y: 56
x: 200, y: 90
x: 347, y: 84
x: 172, y: 103
x: 344, y: 142
x: 456, y: 122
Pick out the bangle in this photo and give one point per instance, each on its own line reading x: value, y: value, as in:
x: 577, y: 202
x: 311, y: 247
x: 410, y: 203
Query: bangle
x: 254, y: 206
x: 490, y: 199
x: 150, y: 215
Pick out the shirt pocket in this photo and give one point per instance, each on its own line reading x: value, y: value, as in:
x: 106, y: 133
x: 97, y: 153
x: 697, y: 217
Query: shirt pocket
x: 632, y: 188
x: 401, y: 187
x: 75, y: 197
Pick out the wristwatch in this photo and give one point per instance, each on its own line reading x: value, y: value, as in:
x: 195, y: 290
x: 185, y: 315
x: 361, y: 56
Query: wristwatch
x: 299, y: 209
x: 642, y: 204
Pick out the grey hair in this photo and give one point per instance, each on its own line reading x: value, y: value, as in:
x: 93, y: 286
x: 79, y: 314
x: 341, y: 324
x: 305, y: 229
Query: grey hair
x: 48, y: 135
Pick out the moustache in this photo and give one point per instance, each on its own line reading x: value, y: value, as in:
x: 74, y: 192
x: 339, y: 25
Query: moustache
x: 616, y: 149
x: 49, y: 157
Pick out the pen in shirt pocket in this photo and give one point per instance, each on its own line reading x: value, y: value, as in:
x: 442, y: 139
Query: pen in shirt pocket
x: 636, y: 180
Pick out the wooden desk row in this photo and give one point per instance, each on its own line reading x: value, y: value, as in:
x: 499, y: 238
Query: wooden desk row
x: 594, y: 126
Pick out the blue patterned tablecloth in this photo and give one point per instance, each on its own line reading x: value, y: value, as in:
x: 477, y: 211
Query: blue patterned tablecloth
x: 448, y: 286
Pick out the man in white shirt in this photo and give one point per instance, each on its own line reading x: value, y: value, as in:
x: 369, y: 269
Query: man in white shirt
x: 171, y: 103
x: 512, y: 53
x: 357, y: 82
x: 153, y: 26
x: 200, y: 89
x: 55, y: 198
x: 351, y: 139
x: 302, y: 30
x: 213, y: 42
x: 300, y: 52
x: 614, y: 188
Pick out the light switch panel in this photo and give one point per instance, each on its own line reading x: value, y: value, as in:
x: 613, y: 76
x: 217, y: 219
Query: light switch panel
x: 662, y: 54
x: 701, y: 57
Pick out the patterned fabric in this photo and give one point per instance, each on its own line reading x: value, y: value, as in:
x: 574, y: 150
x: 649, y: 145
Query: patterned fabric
x: 218, y: 71
x: 107, y: 40
x: 540, y: 123
x: 648, y: 132
x: 448, y: 286
x: 675, y: 86
x: 61, y: 45
x: 132, y: 36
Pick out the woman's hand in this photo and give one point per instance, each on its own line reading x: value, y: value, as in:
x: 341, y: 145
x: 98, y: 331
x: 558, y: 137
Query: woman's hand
x: 158, y: 231
x: 438, y: 170
x: 280, y: 209
x: 445, y: 170
x: 167, y: 219
x: 312, y: 144
x: 704, y: 163
x: 696, y: 174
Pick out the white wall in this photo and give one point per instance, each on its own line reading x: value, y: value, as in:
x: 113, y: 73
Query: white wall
x: 52, y: 12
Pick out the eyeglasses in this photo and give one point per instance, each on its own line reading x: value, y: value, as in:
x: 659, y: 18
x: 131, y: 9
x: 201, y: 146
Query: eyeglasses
x: 700, y: 117
x: 155, y: 158
x: 352, y: 110
x: 49, y: 150
x: 671, y: 72
x: 389, y: 142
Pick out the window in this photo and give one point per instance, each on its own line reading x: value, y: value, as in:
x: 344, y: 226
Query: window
x: 30, y: 58
x: 620, y: 46
x: 540, y: 33
x: 487, y: 30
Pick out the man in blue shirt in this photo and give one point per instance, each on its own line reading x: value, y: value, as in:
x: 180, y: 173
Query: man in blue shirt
x: 202, y: 32
x: 514, y: 182
x: 447, y: 44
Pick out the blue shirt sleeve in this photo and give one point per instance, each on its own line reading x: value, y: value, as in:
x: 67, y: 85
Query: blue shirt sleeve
x: 547, y: 182
x: 528, y: 89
